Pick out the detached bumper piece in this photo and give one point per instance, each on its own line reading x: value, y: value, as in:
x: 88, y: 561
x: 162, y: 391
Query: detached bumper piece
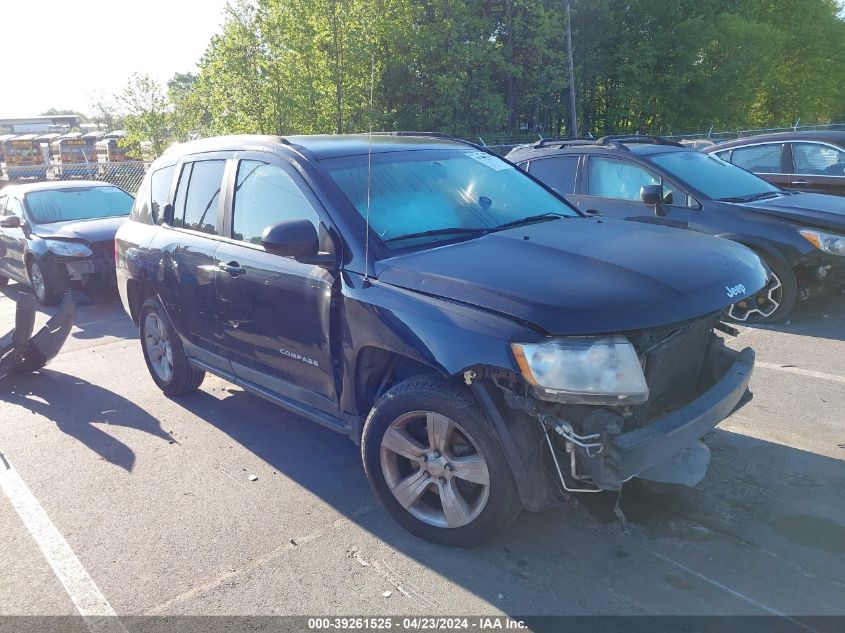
x: 668, y: 449
x: 19, y: 353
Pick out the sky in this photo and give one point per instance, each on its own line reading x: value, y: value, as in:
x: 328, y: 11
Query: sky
x: 57, y: 54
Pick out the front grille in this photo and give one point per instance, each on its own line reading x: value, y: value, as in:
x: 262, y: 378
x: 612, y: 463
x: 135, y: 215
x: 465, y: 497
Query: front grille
x: 673, y: 361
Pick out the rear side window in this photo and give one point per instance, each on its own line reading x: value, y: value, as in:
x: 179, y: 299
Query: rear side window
x: 818, y: 160
x: 159, y: 190
x: 760, y: 159
x: 558, y: 172
x: 198, y: 196
x: 264, y: 195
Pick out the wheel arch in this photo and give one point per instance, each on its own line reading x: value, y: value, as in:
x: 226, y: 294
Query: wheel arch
x: 761, y: 246
x: 136, y: 293
x: 377, y: 369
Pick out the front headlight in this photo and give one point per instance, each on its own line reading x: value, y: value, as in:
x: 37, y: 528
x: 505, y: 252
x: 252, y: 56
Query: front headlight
x: 827, y: 242
x: 588, y: 370
x: 66, y: 248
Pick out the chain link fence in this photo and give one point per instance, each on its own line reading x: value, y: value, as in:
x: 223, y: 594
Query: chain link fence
x: 502, y: 147
x: 724, y: 135
x: 124, y: 174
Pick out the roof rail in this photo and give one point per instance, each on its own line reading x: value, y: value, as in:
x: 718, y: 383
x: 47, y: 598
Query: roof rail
x: 563, y: 142
x: 412, y: 133
x: 621, y: 139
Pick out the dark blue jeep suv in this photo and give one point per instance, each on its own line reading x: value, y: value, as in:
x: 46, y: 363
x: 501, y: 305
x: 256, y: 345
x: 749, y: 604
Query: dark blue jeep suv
x: 488, y: 345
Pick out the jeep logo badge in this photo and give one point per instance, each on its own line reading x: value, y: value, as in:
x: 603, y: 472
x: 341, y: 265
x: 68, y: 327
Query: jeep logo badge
x: 738, y: 289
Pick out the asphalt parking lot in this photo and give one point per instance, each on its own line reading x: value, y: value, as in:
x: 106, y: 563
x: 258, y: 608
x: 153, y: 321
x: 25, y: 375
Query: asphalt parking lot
x: 154, y: 498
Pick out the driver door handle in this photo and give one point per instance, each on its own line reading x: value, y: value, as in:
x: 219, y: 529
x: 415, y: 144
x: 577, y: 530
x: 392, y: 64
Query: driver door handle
x: 233, y: 268
x: 800, y: 183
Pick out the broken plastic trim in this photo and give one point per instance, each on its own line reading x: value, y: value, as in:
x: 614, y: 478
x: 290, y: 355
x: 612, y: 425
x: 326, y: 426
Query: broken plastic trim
x: 19, y: 353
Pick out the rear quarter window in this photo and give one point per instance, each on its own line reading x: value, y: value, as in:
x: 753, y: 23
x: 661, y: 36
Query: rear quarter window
x: 159, y: 191
x: 141, y: 208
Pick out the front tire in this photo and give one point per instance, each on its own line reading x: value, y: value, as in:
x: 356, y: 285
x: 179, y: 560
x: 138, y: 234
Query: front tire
x: 4, y: 281
x: 163, y: 352
x: 433, y: 459
x: 774, y: 302
x: 44, y: 289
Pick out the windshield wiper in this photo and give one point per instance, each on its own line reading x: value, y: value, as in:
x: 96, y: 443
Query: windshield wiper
x: 540, y: 217
x: 455, y: 230
x: 752, y: 197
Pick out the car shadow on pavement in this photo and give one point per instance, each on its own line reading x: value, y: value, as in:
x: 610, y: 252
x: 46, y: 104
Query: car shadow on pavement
x: 764, y: 511
x: 821, y: 317
x: 79, y: 408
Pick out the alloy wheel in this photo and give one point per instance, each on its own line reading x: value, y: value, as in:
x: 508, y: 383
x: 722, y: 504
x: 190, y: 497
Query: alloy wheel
x: 761, y: 306
x: 434, y: 469
x: 157, y: 343
x: 37, y: 279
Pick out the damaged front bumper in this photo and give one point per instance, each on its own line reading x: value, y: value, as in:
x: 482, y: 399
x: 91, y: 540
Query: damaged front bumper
x: 555, y: 448
x: 95, y: 272
x: 669, y: 444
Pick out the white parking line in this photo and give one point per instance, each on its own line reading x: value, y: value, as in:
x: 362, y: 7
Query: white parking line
x: 802, y: 372
x: 733, y: 592
x: 91, y: 604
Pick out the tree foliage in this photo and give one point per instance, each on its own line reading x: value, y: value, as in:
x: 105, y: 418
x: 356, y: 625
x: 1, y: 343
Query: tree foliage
x: 149, y: 116
x: 498, y: 68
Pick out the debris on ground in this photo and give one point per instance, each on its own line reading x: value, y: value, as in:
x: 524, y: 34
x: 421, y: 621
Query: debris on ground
x: 253, y: 477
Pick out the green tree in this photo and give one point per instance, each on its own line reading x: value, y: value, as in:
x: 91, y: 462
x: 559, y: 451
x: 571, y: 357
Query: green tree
x: 498, y: 67
x: 148, y: 116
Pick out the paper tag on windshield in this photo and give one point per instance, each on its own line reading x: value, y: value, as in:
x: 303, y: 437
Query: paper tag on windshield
x: 493, y: 162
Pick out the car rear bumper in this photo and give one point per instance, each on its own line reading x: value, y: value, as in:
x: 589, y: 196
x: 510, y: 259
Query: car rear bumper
x: 635, y: 452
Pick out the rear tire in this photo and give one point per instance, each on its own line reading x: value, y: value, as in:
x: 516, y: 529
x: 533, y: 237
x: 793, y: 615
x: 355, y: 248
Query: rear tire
x: 163, y: 352
x: 773, y: 303
x: 434, y: 460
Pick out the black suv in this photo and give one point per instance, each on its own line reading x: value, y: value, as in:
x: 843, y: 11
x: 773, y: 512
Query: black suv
x: 801, y: 236
x: 487, y: 344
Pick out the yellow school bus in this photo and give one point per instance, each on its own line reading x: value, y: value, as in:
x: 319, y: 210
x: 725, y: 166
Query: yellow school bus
x: 22, y: 158
x: 74, y: 156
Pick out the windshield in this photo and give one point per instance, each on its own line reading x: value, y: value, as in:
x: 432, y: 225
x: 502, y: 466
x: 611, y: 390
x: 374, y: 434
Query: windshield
x: 451, y: 193
x: 77, y: 203
x: 712, y: 176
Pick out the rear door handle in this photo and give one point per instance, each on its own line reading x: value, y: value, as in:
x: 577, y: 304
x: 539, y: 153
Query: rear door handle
x: 233, y: 268
x: 800, y: 183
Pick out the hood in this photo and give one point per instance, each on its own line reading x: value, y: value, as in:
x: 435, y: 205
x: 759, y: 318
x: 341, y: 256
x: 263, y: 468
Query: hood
x: 585, y: 276
x: 99, y: 230
x: 815, y: 209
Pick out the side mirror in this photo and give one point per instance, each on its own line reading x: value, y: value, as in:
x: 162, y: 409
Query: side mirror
x: 297, y: 239
x: 10, y: 222
x: 652, y: 195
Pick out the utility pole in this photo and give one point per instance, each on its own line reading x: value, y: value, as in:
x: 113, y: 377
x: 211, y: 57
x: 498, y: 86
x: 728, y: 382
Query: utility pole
x: 573, y: 119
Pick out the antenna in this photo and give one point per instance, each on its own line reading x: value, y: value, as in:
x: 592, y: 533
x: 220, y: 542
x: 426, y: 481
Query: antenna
x: 369, y: 175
